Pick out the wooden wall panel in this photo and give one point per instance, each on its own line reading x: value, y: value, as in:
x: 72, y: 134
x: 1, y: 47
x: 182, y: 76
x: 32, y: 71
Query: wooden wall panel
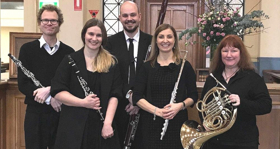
x: 20, y: 116
x: 3, y: 87
x: 15, y: 112
x: 269, y: 126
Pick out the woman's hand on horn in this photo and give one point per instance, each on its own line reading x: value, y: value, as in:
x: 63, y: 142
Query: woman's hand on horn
x: 170, y: 111
x: 234, y: 99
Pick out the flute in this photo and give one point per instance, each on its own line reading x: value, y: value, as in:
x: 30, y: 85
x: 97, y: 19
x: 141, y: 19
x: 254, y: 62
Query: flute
x: 173, y: 95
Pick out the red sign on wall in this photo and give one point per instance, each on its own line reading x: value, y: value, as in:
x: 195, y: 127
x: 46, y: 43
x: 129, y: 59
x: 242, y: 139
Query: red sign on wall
x: 93, y: 13
x: 78, y: 5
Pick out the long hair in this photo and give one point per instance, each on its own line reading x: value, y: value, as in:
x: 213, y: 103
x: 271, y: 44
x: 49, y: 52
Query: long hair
x: 155, y: 50
x: 103, y: 60
x: 244, y: 63
x: 50, y: 7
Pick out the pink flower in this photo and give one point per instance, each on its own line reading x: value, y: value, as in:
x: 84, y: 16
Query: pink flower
x: 228, y: 18
x: 204, y: 34
x: 204, y: 22
x: 207, y: 38
x: 234, y: 11
x: 218, y: 34
x: 212, y: 32
x: 237, y: 8
x: 222, y: 26
x: 224, y: 19
x: 199, y: 19
x: 199, y: 30
x: 223, y: 34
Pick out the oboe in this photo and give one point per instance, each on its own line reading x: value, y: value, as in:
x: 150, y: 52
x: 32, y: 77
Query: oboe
x: 25, y: 71
x: 83, y: 82
x: 173, y: 95
x: 133, y: 119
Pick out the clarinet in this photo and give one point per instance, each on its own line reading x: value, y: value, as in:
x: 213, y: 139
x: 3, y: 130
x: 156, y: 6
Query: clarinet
x: 25, y: 71
x: 131, y: 130
x: 83, y: 83
x: 133, y: 119
x: 173, y: 96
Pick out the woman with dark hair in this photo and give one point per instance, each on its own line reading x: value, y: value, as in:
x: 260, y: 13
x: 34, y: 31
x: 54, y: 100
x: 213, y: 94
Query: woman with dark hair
x: 153, y: 88
x: 80, y: 126
x: 232, y: 66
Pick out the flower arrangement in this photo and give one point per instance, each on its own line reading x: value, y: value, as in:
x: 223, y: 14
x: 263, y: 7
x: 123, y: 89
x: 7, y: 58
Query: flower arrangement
x: 214, y: 25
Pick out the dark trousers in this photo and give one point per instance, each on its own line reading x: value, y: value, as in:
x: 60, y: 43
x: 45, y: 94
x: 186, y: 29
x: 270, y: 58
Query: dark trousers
x: 40, y: 130
x: 121, y: 119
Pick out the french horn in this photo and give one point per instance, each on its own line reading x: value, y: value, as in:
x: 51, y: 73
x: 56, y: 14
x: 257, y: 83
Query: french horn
x: 218, y: 117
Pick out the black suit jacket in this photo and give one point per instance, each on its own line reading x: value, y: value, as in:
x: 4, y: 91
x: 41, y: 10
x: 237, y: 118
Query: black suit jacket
x: 118, y: 47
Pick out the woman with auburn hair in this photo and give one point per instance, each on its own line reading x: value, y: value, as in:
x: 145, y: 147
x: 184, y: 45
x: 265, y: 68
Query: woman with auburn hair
x: 80, y: 125
x: 153, y: 88
x: 232, y: 66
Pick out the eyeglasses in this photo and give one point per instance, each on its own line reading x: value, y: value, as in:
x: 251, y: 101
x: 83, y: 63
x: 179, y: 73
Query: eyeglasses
x: 46, y: 21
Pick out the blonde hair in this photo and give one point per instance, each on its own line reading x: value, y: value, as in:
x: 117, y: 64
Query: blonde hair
x: 103, y: 61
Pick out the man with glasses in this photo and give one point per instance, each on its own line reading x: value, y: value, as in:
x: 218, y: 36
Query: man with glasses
x: 41, y: 57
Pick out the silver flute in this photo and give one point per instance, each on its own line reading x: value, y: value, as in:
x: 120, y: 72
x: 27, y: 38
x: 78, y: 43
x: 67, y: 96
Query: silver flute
x: 25, y: 71
x: 83, y: 83
x: 173, y: 95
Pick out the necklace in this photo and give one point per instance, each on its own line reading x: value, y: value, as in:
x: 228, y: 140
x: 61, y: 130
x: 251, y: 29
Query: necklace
x: 228, y: 77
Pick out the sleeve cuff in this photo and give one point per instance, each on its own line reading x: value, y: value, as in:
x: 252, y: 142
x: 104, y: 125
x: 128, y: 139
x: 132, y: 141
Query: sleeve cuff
x: 48, y: 100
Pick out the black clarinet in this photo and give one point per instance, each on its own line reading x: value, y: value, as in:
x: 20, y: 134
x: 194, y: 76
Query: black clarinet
x: 83, y: 83
x: 133, y: 119
x: 28, y: 73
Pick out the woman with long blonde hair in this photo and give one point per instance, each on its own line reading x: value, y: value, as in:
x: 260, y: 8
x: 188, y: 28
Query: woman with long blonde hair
x: 80, y: 126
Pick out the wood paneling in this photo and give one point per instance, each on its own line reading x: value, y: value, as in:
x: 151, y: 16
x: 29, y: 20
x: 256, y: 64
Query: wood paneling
x: 3, y: 87
x: 269, y: 125
x: 15, y: 113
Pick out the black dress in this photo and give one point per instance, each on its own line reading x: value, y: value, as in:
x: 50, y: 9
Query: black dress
x: 160, y: 85
x: 92, y: 131
x: 75, y: 121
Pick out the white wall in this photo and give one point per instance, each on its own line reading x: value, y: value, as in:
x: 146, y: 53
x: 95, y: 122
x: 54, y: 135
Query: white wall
x: 270, y: 39
x: 5, y: 41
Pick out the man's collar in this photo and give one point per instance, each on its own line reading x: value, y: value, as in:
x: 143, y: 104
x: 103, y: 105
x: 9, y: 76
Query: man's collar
x: 43, y: 42
x: 136, y: 36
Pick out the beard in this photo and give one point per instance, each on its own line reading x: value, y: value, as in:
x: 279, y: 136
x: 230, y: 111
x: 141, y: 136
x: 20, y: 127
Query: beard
x: 130, y: 30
